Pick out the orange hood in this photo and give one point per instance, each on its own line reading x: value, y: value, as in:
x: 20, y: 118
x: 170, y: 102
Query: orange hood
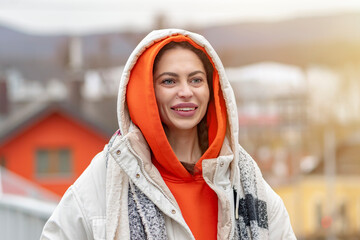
x: 143, y: 110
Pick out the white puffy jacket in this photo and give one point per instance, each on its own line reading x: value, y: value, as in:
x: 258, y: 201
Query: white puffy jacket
x: 95, y: 206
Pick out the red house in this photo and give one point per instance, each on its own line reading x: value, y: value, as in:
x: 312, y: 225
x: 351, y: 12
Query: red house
x: 50, y: 144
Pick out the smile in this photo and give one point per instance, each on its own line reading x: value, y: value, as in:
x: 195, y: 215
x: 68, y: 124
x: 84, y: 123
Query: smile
x: 185, y: 109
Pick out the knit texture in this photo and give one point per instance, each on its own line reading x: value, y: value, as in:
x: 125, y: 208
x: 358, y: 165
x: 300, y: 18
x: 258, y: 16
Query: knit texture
x: 250, y: 201
x: 146, y: 221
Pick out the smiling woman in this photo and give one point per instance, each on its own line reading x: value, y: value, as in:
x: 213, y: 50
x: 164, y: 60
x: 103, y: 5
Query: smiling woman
x: 175, y: 169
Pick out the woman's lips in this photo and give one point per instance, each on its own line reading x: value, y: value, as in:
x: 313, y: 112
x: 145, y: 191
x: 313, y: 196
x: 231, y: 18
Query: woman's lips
x: 185, y: 109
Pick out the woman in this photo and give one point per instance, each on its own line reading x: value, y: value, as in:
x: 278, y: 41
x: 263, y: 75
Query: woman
x: 176, y: 171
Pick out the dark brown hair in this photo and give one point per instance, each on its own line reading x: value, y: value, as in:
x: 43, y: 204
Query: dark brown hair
x: 202, y: 127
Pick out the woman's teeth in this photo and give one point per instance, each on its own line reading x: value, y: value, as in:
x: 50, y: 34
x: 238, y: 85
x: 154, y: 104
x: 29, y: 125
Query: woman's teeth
x: 184, y: 109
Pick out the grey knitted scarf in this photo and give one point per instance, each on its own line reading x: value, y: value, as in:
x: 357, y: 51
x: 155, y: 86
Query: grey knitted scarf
x: 146, y: 221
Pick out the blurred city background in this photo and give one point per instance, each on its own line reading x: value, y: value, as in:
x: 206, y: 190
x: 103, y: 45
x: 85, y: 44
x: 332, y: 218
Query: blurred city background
x: 294, y: 67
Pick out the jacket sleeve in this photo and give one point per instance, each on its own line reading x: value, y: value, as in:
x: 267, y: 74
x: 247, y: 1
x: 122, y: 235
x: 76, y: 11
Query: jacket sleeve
x: 279, y: 221
x: 68, y: 220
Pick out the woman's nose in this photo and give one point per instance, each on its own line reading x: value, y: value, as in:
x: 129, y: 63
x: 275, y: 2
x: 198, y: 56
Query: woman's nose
x: 185, y: 91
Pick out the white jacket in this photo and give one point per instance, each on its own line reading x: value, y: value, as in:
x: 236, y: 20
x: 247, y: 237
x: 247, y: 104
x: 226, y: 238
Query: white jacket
x: 95, y: 206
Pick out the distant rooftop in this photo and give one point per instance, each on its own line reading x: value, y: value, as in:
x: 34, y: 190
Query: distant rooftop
x: 100, y: 116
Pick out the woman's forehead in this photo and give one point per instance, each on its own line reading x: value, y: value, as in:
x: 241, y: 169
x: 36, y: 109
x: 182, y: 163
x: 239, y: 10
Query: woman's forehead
x: 177, y: 58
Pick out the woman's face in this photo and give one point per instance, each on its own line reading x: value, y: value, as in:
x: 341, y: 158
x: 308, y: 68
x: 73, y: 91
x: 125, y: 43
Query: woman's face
x: 181, y: 89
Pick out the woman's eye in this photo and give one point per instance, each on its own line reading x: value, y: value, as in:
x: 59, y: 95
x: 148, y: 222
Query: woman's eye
x: 168, y: 81
x: 196, y: 80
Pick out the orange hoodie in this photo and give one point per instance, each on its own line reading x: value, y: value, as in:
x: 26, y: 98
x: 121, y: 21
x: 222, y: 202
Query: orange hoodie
x: 197, y: 201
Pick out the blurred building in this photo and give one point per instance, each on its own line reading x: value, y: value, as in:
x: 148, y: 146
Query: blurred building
x: 325, y: 200
x: 272, y: 107
x: 59, y: 125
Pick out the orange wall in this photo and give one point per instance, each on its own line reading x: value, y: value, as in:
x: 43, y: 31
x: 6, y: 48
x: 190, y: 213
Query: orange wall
x: 55, y: 130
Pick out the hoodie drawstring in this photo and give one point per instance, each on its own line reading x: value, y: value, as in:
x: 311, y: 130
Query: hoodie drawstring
x: 237, y: 201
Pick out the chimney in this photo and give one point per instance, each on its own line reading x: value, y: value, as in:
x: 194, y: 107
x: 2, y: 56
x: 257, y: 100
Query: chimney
x: 4, y: 97
x: 76, y: 75
x: 75, y: 54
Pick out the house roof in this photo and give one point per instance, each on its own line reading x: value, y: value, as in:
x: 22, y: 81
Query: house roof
x: 95, y: 117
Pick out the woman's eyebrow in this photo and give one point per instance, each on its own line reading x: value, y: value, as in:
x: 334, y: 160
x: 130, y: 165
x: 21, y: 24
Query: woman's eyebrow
x: 196, y: 72
x: 167, y: 73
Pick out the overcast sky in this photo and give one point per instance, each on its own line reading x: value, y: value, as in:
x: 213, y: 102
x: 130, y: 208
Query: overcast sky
x: 82, y: 16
